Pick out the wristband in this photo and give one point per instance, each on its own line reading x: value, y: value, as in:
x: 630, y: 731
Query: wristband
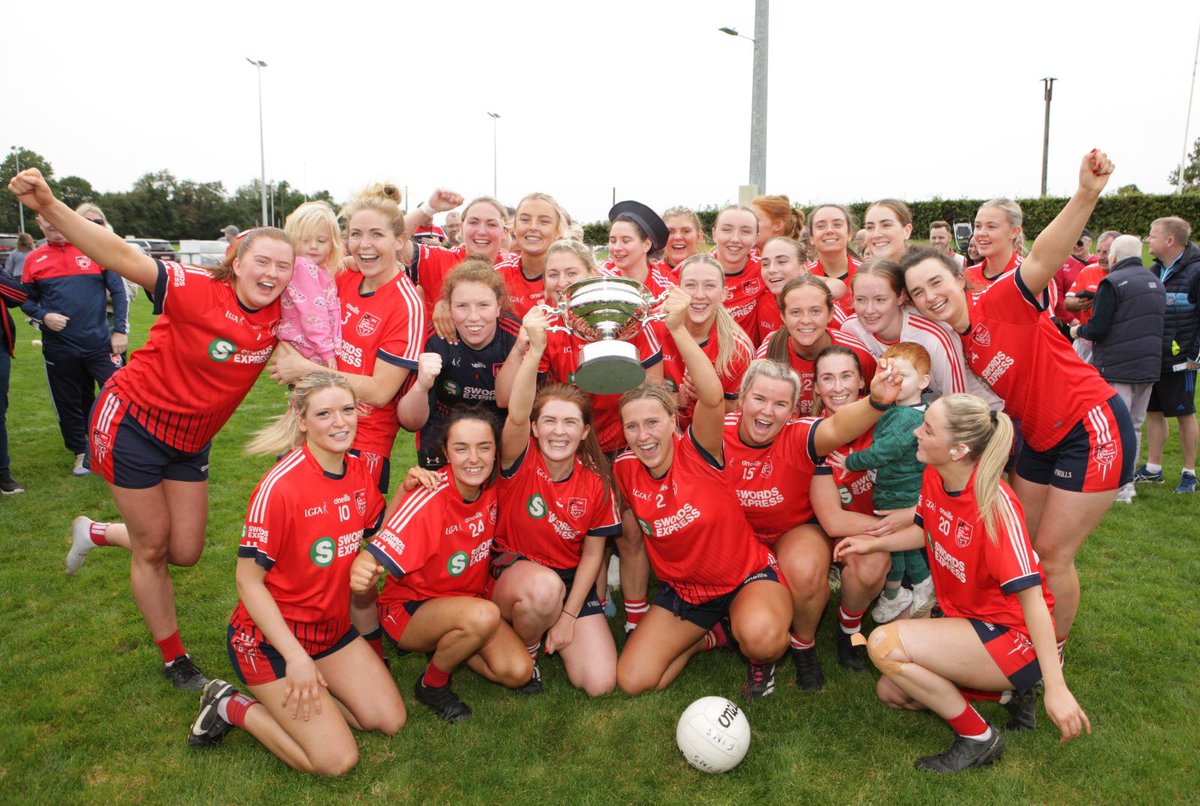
x: 875, y: 404
x: 426, y: 209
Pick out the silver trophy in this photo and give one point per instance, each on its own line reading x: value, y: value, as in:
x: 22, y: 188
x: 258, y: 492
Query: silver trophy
x: 605, y: 312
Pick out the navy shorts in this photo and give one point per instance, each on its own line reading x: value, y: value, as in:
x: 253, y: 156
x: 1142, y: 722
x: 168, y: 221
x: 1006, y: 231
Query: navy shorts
x: 1012, y: 651
x: 122, y: 452
x: 591, y: 605
x: 1174, y: 394
x: 380, y: 468
x: 257, y: 662
x: 1097, y: 455
x: 707, y: 614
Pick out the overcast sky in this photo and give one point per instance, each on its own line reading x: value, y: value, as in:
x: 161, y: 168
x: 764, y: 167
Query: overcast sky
x: 914, y: 100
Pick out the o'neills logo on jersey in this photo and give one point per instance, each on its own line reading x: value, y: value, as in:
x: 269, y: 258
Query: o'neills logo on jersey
x: 83, y: 262
x: 981, y: 334
x: 368, y: 324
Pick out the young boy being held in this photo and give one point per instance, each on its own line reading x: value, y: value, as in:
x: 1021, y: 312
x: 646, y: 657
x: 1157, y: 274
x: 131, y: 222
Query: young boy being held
x: 893, y: 457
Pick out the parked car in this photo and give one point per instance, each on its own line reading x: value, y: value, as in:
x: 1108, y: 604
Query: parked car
x: 8, y: 243
x: 154, y: 247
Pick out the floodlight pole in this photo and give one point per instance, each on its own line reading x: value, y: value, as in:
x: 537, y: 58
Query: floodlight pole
x: 495, y: 152
x: 262, y: 153
x: 758, y: 94
x: 1048, y: 85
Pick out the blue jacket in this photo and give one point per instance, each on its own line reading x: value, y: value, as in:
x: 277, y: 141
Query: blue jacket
x: 61, y: 279
x: 1182, y: 324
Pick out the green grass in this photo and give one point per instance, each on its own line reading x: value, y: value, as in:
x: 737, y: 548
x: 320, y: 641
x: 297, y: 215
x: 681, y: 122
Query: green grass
x: 86, y: 716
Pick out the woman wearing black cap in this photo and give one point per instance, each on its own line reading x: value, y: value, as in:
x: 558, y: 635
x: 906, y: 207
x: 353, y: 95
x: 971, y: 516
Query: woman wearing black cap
x: 636, y: 239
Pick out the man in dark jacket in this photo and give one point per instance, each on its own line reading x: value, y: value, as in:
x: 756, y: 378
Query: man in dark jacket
x: 1177, y: 263
x: 13, y: 294
x: 1126, y: 329
x: 66, y: 296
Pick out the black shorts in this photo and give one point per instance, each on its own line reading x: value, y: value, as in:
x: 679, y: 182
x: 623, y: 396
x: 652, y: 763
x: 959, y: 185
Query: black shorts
x: 1174, y: 394
x: 380, y: 468
x: 1012, y: 651
x: 1097, y: 455
x: 591, y: 605
x: 707, y: 614
x: 125, y: 454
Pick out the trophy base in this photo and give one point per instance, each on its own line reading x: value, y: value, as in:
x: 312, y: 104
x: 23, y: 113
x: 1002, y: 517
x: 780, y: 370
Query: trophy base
x: 609, y: 368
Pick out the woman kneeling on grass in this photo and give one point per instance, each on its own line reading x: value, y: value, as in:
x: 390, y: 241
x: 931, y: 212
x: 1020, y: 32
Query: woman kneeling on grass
x: 435, y: 549
x: 698, y: 541
x: 998, y: 634
x: 290, y: 638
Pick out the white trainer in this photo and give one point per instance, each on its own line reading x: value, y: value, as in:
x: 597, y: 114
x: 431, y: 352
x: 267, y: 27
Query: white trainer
x: 886, y: 610
x: 81, y: 543
x: 79, y: 469
x: 923, y: 599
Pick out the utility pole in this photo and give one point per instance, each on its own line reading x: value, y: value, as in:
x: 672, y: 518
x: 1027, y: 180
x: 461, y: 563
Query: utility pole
x: 1048, y: 84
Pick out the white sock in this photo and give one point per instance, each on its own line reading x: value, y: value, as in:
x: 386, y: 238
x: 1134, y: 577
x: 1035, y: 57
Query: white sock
x: 987, y: 734
x: 1190, y: 470
x: 1151, y: 468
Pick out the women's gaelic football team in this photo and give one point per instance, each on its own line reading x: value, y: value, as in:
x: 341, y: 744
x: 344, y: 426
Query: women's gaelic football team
x: 809, y: 414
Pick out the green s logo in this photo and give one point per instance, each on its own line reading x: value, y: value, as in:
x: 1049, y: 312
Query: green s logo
x: 323, y: 551
x: 221, y: 349
x: 457, y: 563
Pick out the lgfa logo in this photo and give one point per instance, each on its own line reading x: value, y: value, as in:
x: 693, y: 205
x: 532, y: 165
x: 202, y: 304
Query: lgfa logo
x: 457, y: 563
x: 221, y: 350
x: 323, y: 551
x: 536, y: 506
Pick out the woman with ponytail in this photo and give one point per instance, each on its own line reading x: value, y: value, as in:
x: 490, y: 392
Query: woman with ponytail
x: 290, y: 638
x: 997, y: 637
x: 724, y: 343
x: 776, y: 219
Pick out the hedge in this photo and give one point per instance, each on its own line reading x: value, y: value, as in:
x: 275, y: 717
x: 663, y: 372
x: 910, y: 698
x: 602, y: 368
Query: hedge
x: 1130, y: 213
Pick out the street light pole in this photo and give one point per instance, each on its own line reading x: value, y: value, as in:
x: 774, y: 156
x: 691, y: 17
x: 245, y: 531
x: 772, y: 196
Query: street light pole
x: 16, y: 150
x: 1048, y: 85
x: 1188, y: 118
x: 758, y: 96
x: 495, y: 152
x: 262, y: 152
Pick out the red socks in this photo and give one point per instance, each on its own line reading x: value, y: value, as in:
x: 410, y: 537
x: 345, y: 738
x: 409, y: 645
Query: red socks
x: 96, y: 532
x: 799, y: 643
x: 635, y: 609
x: 171, y: 647
x: 435, y: 677
x: 969, y: 724
x: 374, y: 639
x: 235, y: 709
x: 850, y: 622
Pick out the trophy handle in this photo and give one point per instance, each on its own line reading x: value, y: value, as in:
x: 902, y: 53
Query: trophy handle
x: 653, y: 303
x: 546, y: 309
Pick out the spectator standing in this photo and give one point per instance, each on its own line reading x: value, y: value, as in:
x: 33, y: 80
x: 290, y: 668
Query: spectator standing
x: 16, y: 259
x: 1126, y: 332
x: 13, y: 294
x: 1079, y: 299
x: 1177, y: 264
x: 230, y: 234
x: 66, y: 296
x: 453, y: 229
x: 941, y: 237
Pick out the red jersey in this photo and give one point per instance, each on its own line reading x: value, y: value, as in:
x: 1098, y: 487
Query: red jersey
x: 772, y: 480
x: 1017, y: 351
x: 742, y: 293
x: 674, y: 370
x: 805, y: 368
x: 546, y: 520
x: 697, y: 538
x: 387, y: 324
x: 523, y: 293
x: 436, y: 545
x: 203, y: 354
x: 1087, y: 281
x: 766, y: 318
x: 978, y: 278
x: 856, y: 488
x: 975, y: 576
x: 430, y: 266
x: 659, y: 279
x: 563, y: 353
x: 304, y: 526
x: 846, y: 303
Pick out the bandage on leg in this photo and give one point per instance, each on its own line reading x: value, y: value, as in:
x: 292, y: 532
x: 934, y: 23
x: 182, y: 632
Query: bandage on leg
x: 883, y: 643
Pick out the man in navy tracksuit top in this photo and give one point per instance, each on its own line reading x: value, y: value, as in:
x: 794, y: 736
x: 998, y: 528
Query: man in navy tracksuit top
x: 66, y: 295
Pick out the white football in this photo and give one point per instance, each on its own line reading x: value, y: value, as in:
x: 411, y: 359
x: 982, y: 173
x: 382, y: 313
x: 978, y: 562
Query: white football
x: 713, y: 734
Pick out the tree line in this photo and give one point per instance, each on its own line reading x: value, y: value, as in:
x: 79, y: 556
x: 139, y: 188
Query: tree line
x: 158, y: 205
